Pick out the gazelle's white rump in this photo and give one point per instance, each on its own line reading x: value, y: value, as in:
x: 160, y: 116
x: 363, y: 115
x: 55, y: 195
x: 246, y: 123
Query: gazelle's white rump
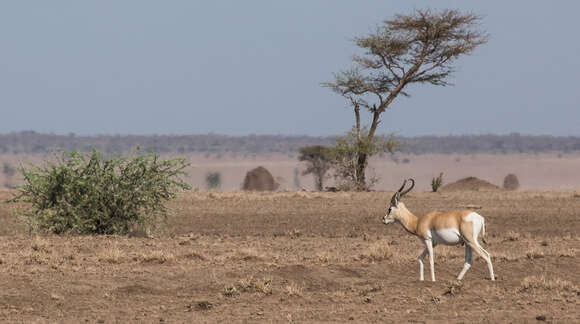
x: 473, y: 217
x: 478, y: 224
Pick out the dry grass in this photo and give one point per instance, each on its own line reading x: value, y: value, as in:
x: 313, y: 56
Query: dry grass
x: 264, y: 286
x: 453, y: 288
x: 377, y: 251
x: 569, y: 253
x: 507, y: 255
x: 111, y: 254
x: 332, y: 271
x: 443, y: 252
x: 250, y: 254
x: 250, y: 284
x: 534, y: 253
x: 329, y: 257
x: 32, y: 257
x: 195, y: 255
x: 512, y: 236
x: 40, y: 245
x: 293, y: 234
x: 230, y: 291
x: 293, y: 290
x: 531, y: 283
x: 156, y: 256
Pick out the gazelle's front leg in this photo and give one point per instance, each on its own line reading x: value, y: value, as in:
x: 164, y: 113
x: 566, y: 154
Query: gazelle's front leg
x: 429, y: 245
x: 421, y: 264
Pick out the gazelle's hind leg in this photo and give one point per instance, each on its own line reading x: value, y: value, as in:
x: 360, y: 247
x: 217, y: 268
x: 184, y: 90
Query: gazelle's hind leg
x: 471, y: 229
x: 485, y: 255
x: 468, y: 262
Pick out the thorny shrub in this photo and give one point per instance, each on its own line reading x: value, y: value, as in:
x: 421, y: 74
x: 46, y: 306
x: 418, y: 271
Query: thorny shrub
x: 86, y: 193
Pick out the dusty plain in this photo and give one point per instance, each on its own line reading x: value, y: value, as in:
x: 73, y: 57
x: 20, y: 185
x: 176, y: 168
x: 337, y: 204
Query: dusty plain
x: 299, y: 257
x: 538, y: 172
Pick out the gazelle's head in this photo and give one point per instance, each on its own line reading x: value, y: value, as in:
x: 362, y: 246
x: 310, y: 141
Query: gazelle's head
x: 393, y: 213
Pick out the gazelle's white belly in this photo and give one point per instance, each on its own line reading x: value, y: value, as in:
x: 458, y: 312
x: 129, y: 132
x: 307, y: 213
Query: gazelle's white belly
x: 448, y: 236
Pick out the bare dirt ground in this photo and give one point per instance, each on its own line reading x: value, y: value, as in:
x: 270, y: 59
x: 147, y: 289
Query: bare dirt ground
x: 299, y: 257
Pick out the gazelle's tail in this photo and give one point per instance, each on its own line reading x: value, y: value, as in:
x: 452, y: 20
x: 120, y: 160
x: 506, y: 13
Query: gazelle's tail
x: 483, y: 231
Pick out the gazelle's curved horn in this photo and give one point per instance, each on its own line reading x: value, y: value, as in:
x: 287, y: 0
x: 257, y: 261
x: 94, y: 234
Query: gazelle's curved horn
x: 403, y: 186
x: 397, y: 193
x: 410, y: 188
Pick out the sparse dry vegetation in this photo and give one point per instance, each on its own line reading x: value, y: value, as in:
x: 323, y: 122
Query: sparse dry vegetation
x: 299, y: 253
x: 512, y: 236
x: 558, y: 285
x: 156, y: 256
x: 250, y: 254
x: 110, y: 254
x: 294, y: 289
x: 377, y: 251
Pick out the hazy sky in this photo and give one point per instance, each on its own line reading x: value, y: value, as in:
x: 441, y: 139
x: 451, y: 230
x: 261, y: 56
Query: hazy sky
x: 243, y: 67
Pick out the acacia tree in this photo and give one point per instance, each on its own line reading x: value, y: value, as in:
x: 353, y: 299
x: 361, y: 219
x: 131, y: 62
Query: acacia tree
x: 417, y: 48
x: 318, y: 159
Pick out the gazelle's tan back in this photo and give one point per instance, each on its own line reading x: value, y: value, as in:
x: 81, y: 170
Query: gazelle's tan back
x: 437, y: 220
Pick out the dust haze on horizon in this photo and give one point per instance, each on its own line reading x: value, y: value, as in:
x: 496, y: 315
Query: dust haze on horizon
x: 239, y: 68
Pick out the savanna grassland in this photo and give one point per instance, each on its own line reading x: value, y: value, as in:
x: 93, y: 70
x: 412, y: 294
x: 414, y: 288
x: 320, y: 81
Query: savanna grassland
x: 299, y: 257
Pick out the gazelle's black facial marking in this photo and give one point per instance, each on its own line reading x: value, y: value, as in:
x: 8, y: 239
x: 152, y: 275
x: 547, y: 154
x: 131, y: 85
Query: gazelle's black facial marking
x: 388, y: 218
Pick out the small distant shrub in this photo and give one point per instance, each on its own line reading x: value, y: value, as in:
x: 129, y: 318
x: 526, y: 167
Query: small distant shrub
x: 85, y: 193
x: 213, y: 180
x: 510, y: 182
x: 437, y: 182
x: 318, y: 161
x: 8, y: 169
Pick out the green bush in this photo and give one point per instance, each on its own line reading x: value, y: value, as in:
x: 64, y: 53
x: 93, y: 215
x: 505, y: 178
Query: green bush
x: 437, y: 182
x: 213, y: 180
x: 86, y: 193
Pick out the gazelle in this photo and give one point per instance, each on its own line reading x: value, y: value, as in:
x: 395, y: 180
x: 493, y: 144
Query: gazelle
x: 449, y: 228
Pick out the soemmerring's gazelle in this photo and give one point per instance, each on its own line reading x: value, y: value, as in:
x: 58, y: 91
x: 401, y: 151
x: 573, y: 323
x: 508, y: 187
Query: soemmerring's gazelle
x: 450, y: 228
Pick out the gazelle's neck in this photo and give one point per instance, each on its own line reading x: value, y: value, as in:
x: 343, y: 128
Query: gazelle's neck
x: 407, y: 219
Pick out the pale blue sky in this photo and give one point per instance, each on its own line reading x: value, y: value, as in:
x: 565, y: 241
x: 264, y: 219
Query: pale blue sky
x: 242, y: 67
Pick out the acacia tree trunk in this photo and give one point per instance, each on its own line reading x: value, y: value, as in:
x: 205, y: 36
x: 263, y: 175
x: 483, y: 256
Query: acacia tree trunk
x: 360, y: 171
x: 361, y: 161
x: 319, y: 179
x: 363, y: 147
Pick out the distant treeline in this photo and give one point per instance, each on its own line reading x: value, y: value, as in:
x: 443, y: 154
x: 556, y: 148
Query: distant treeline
x: 32, y: 142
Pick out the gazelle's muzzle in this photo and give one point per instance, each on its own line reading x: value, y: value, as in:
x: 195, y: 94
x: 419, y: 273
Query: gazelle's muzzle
x: 386, y: 220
